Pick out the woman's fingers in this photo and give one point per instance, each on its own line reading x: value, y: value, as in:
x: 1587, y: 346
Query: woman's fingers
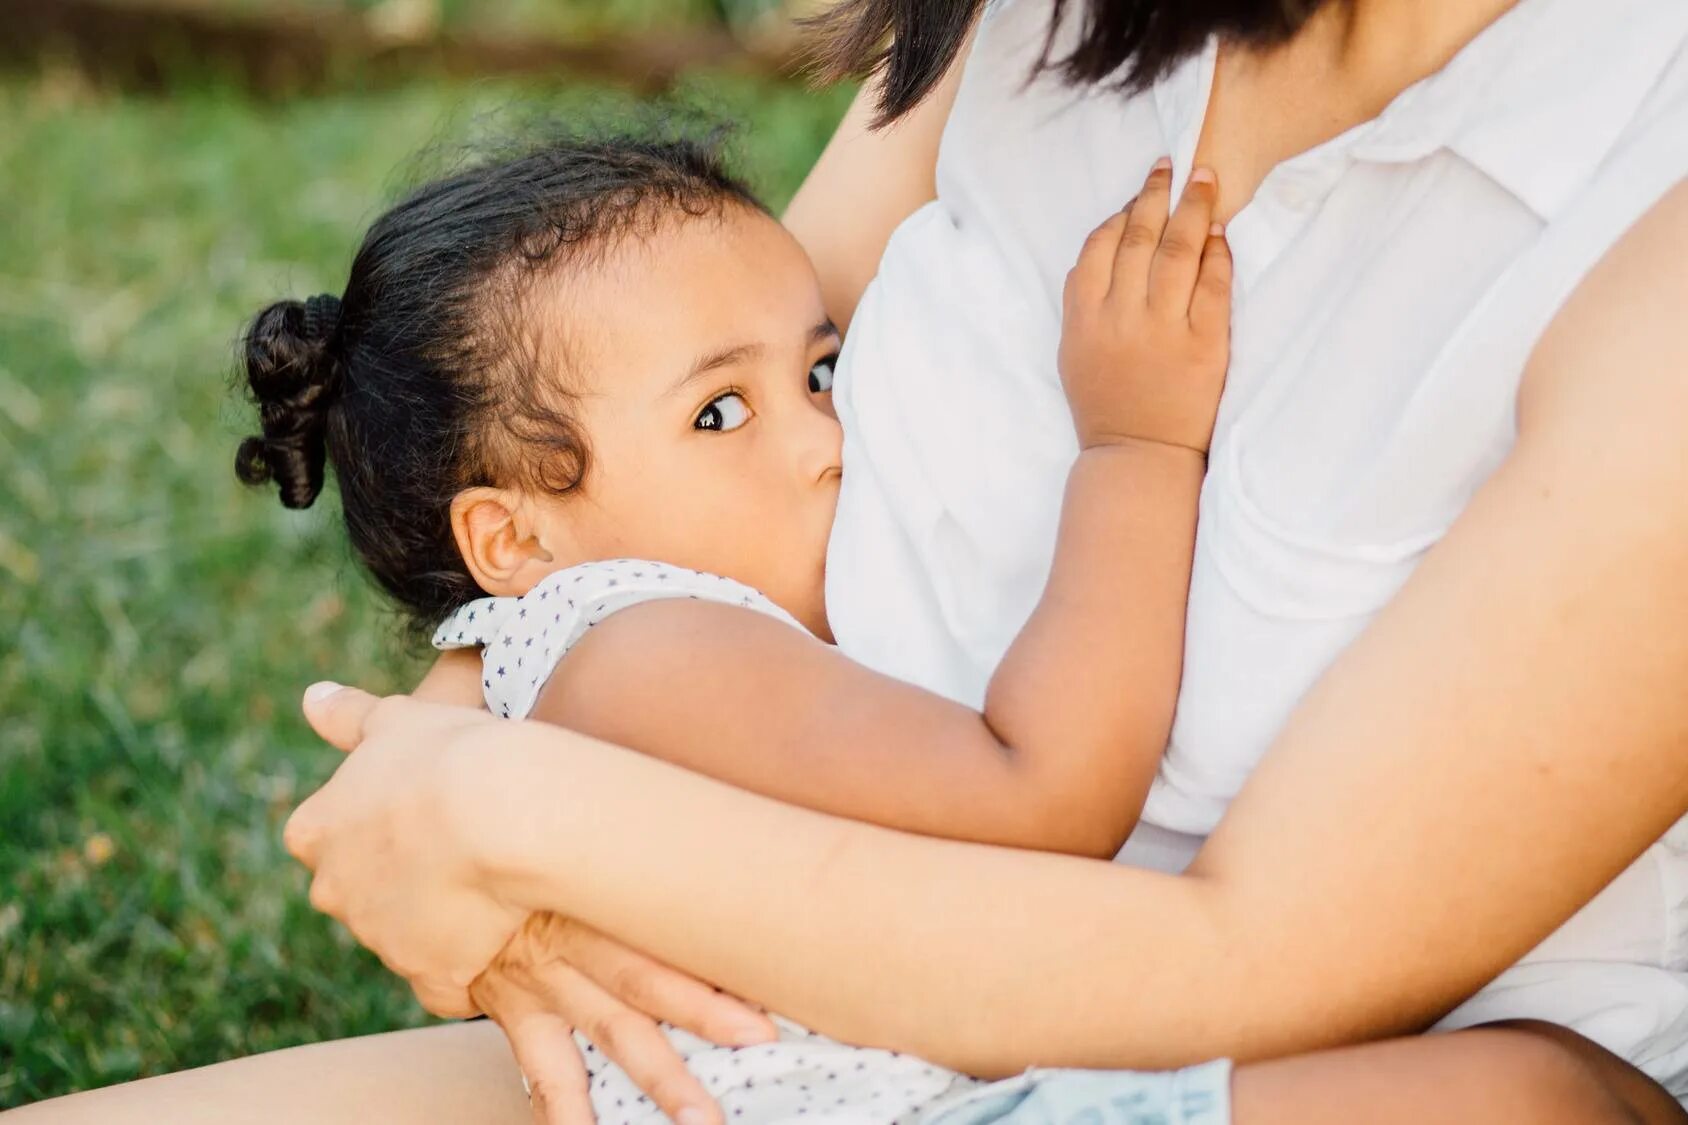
x: 545, y: 1050
x: 1142, y: 234
x: 628, y: 1038
x: 338, y: 713
x: 1210, y: 307
x: 448, y: 1003
x: 1178, y: 259
x: 661, y: 990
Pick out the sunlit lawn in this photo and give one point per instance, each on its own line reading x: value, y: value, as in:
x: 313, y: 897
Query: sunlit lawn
x: 157, y: 620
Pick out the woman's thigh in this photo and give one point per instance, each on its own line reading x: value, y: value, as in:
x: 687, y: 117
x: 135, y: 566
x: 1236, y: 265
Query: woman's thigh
x: 451, y: 1073
x: 464, y: 1072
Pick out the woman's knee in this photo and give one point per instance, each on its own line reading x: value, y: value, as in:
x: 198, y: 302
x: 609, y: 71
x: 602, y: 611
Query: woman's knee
x: 1552, y: 1074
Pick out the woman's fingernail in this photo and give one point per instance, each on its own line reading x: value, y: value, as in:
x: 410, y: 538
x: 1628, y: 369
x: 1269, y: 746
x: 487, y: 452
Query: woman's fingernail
x: 1217, y: 230
x: 692, y: 1115
x: 1203, y: 176
x: 1162, y: 165
x: 321, y: 690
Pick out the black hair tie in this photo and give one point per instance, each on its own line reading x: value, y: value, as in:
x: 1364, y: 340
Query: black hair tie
x: 322, y: 316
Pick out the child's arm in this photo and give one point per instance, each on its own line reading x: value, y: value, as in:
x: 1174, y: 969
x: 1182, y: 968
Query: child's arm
x: 1094, y: 673
x: 1078, y: 713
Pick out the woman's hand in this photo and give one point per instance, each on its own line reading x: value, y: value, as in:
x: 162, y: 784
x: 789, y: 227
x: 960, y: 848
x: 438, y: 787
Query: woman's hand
x: 1146, y: 320
x: 558, y: 976
x: 389, y: 851
x: 392, y: 858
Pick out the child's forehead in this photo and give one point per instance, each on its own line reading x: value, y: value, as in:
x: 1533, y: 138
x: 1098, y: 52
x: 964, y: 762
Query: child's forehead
x: 688, y: 285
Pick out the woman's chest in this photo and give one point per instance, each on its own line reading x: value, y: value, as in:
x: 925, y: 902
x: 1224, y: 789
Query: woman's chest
x: 1376, y: 356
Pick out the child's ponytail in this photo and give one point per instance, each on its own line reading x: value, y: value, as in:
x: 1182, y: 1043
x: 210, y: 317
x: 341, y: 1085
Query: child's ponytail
x: 292, y: 372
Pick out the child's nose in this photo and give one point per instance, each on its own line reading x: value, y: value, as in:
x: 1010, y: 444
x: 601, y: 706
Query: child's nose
x: 821, y: 443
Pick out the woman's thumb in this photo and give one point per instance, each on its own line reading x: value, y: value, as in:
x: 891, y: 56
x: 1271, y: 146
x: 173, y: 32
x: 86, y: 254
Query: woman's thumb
x: 337, y: 713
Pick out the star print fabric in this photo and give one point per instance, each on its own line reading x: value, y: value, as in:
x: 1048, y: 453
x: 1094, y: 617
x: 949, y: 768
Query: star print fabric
x: 522, y: 639
x: 804, y: 1077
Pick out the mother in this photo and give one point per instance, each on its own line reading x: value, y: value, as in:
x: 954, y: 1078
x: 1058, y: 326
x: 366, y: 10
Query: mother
x: 1439, y: 595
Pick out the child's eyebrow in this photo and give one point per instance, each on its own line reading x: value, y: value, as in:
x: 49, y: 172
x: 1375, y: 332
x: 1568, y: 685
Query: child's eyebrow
x: 739, y: 353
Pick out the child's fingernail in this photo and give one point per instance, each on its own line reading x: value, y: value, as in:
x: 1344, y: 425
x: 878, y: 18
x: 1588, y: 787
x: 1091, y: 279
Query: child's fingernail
x: 1217, y: 230
x: 321, y: 690
x: 692, y: 1115
x: 750, y: 1035
x: 1164, y: 164
x: 1203, y: 176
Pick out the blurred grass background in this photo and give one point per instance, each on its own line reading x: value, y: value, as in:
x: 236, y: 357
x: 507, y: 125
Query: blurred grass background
x: 157, y: 621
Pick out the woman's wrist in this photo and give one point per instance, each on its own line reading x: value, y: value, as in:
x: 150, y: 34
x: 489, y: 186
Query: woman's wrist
x: 530, y: 801
x: 495, y: 795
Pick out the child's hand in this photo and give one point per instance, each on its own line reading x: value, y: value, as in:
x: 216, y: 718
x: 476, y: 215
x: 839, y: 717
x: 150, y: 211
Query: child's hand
x: 1146, y: 323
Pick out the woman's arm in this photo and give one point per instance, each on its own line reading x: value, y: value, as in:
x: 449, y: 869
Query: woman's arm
x: 1504, y: 739
x: 865, y: 183
x: 1076, y: 718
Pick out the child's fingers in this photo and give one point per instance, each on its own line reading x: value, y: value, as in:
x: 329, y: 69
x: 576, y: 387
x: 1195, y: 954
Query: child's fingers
x: 1178, y: 258
x: 1210, y: 305
x: 1142, y: 234
x: 1094, y: 270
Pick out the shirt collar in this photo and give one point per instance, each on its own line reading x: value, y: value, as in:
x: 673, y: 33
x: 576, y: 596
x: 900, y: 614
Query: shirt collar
x: 1536, y: 101
x: 1540, y: 97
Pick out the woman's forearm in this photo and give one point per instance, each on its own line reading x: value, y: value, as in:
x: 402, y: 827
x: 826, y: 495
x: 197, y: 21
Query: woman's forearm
x: 987, y: 959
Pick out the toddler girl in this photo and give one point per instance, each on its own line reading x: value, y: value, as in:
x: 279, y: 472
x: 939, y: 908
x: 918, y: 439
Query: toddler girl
x: 577, y: 405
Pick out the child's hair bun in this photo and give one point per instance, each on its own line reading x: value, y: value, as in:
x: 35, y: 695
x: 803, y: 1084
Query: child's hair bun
x: 292, y: 370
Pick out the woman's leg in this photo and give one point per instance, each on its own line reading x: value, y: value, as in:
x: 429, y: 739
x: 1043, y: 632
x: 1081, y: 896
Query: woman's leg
x: 447, y: 1074
x: 1520, y: 1072
x: 1513, y: 1072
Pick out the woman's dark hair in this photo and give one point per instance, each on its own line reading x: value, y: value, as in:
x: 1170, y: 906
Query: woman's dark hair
x: 1130, y: 42
x: 427, y: 373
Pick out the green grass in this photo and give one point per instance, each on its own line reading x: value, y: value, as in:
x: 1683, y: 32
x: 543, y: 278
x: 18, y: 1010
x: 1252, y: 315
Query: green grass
x: 157, y: 621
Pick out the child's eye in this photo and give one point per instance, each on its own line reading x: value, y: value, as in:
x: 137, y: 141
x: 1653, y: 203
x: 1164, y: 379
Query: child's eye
x: 728, y: 412
x: 820, y: 375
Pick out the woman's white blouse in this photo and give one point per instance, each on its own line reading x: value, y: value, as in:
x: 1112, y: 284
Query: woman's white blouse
x: 1391, y: 285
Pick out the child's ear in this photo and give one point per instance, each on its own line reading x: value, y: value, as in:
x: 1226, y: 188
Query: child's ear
x: 503, y: 555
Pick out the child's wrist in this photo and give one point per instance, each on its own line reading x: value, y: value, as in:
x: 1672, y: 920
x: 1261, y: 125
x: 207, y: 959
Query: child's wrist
x: 1104, y: 443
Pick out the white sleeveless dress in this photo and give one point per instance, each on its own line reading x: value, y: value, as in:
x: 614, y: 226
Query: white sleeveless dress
x: 1391, y: 285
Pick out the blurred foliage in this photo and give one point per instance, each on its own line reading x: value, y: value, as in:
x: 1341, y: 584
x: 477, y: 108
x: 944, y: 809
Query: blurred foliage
x: 563, y: 18
x: 157, y: 621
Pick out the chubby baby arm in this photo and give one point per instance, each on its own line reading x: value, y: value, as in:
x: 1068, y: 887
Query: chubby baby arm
x: 739, y: 696
x: 1089, y: 686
